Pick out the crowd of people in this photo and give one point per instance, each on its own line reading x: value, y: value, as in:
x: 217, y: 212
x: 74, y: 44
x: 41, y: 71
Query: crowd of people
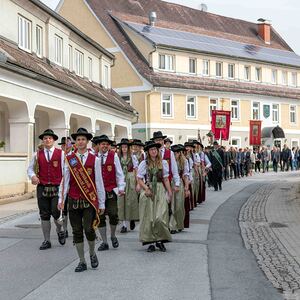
x: 154, y: 183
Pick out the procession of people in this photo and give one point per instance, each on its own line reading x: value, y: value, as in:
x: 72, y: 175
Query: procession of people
x: 156, y: 184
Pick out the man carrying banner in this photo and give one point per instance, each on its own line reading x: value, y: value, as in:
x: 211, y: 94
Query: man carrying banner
x: 86, y: 198
x: 216, y: 158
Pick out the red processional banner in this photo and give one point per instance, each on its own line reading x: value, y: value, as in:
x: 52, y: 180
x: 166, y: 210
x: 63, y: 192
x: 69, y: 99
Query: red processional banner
x: 255, y: 133
x: 220, y: 124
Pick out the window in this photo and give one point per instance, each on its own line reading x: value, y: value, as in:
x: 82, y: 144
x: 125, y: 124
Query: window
x: 70, y: 58
x: 294, y: 79
x: 58, y: 54
x: 275, y: 113
x: 219, y: 69
x: 78, y: 63
x: 90, y: 69
x: 213, y: 105
x: 274, y: 76
x: 235, y: 111
x: 106, y: 76
x: 127, y: 99
x: 167, y: 105
x: 247, y: 73
x: 293, y: 113
x: 258, y: 74
x: 236, y: 142
x: 205, y: 68
x: 256, y: 111
x: 284, y: 77
x: 39, y: 40
x: 24, y: 34
x: 193, y: 63
x: 231, y: 71
x: 191, y: 107
x: 166, y: 62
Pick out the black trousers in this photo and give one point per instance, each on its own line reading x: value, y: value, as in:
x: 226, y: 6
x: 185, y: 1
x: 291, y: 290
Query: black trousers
x: 217, y: 178
x: 232, y: 170
x: 275, y: 166
x: 81, y: 219
x: 111, y: 209
x: 47, y: 205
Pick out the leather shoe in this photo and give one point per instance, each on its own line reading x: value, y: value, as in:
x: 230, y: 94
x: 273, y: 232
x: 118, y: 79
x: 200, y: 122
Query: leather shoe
x: 173, y: 231
x: 45, y: 245
x: 94, y: 261
x: 161, y: 246
x: 103, y: 247
x: 81, y: 267
x: 115, y: 242
x: 61, y: 237
x: 123, y: 229
x: 151, y: 248
x: 132, y: 225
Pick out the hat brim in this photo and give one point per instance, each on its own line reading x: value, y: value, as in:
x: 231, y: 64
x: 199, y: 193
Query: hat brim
x: 65, y: 143
x: 168, y: 142
x: 89, y: 136
x: 127, y: 144
x: 158, y: 137
x: 138, y: 144
x: 99, y: 141
x: 55, y: 137
x: 155, y: 145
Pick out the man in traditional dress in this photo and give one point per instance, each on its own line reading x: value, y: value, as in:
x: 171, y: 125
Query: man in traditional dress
x: 168, y: 143
x: 114, y: 184
x: 46, y: 172
x: 84, y: 187
x: 216, y: 158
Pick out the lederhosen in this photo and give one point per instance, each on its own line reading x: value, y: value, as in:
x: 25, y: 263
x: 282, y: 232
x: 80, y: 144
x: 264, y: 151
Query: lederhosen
x: 202, y: 189
x: 50, y: 176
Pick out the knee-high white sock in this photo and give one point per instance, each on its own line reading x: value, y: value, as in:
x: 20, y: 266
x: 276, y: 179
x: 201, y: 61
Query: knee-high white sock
x: 91, y: 247
x: 80, y: 251
x: 46, y: 228
x: 103, y: 234
x: 113, y: 230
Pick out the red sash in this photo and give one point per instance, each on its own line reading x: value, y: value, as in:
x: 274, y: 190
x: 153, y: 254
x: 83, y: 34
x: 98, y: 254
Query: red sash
x: 84, y: 182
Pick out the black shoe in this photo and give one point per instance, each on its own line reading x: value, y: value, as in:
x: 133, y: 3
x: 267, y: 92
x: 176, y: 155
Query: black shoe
x: 123, y: 229
x: 151, y: 248
x: 94, y: 261
x: 216, y: 190
x: 103, y: 247
x: 220, y: 188
x: 161, y: 246
x: 114, y: 242
x: 81, y: 267
x: 66, y: 234
x: 45, y: 245
x: 132, y: 225
x: 61, y: 237
x: 173, y: 231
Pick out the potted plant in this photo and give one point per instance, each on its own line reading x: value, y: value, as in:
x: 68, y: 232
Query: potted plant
x: 2, y: 144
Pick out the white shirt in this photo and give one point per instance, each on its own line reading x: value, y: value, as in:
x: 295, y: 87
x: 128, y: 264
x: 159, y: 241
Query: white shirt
x: 98, y: 180
x: 142, y: 169
x: 120, y: 178
x: 174, y: 168
x: 190, y: 165
x: 31, y: 171
x: 207, y: 161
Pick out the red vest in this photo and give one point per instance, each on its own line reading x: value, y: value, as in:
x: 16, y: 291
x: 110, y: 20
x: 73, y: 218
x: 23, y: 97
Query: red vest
x: 167, y: 157
x: 74, y: 191
x: 109, y: 172
x: 50, y: 173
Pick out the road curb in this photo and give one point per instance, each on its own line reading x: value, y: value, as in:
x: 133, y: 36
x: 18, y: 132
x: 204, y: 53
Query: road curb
x: 13, y: 199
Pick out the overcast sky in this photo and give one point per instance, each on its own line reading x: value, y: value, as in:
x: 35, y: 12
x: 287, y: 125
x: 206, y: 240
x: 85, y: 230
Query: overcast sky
x: 282, y: 13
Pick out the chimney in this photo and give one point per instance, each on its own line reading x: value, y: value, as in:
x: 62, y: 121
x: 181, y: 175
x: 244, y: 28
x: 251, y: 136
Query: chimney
x: 152, y: 18
x: 264, y: 30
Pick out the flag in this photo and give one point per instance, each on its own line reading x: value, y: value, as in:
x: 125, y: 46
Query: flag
x: 220, y: 124
x: 255, y: 133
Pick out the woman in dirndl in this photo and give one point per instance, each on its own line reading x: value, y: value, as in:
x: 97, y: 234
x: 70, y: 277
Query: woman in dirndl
x: 128, y: 206
x: 178, y: 204
x: 156, y: 195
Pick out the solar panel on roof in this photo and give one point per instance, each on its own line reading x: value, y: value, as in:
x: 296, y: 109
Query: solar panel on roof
x: 214, y: 45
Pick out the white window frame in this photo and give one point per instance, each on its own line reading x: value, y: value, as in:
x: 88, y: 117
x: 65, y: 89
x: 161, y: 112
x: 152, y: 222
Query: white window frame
x: 209, y: 106
x: 238, y: 138
x: 90, y: 69
x: 258, y: 78
x: 293, y: 112
x: 78, y: 62
x: 274, y: 110
x: 39, y: 41
x: 195, y: 64
x: 284, y: 77
x: 71, y: 60
x: 237, y: 107
x: 205, y: 67
x: 221, y: 64
x: 169, y: 61
x: 58, y: 49
x: 274, y: 79
x: 106, y: 76
x: 233, y: 71
x: 245, y: 73
x: 294, y: 140
x: 252, y: 110
x: 294, y: 79
x: 24, y: 34
x: 191, y: 104
x: 170, y: 101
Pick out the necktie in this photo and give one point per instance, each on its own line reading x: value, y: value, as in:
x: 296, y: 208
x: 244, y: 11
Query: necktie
x: 48, y: 155
x: 81, y: 158
x: 102, y: 159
